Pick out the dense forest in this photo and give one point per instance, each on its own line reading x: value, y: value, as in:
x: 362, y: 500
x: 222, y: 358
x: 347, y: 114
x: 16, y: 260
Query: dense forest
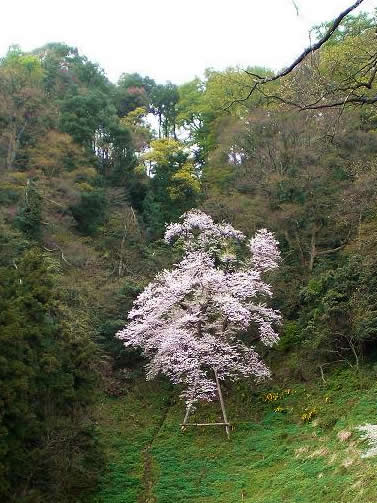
x: 91, y: 172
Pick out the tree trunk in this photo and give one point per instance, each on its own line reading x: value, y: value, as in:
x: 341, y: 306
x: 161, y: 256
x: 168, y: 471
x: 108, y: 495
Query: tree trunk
x: 120, y: 265
x: 14, y: 141
x: 313, y: 251
x: 11, y: 154
x: 302, y: 256
x: 222, y: 404
x: 359, y: 232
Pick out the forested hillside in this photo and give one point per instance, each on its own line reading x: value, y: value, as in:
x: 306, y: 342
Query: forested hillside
x: 90, y: 174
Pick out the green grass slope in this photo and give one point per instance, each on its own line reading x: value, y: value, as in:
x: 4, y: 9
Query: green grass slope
x: 295, y: 444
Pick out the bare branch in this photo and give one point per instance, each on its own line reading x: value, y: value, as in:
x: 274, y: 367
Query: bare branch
x: 61, y: 252
x: 357, y: 100
x: 318, y: 104
x: 333, y: 250
x: 318, y: 44
x: 309, y: 50
x: 256, y: 84
x: 296, y: 8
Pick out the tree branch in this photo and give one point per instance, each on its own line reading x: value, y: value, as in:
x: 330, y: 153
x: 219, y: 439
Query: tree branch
x: 309, y: 50
x: 333, y: 250
x: 357, y: 100
x: 61, y: 252
x: 318, y: 105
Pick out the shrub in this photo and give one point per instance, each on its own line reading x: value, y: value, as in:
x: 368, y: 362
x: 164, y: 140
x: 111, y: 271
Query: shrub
x: 89, y: 213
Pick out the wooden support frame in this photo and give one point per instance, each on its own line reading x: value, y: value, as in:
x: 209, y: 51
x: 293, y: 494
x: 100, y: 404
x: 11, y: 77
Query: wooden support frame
x: 227, y: 429
x: 205, y: 424
x: 222, y: 404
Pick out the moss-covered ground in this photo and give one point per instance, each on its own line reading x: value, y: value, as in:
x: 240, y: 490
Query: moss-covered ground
x: 295, y: 443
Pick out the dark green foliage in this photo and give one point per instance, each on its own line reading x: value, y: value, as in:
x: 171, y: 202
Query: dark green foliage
x: 9, y: 195
x: 159, y: 208
x: 12, y: 244
x: 89, y: 213
x: 29, y: 218
x: 137, y: 188
x: 153, y: 214
x: 105, y: 337
x: 164, y: 98
x: 46, y: 386
x: 83, y: 114
x: 118, y: 169
x: 339, y: 310
x: 65, y: 70
x: 290, y: 336
x: 133, y: 91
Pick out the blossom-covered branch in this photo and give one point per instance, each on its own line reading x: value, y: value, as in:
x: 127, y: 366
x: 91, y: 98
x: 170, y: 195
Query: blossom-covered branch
x: 189, y: 320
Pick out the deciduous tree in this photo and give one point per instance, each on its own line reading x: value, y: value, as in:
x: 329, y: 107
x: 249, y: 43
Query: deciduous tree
x: 190, y: 320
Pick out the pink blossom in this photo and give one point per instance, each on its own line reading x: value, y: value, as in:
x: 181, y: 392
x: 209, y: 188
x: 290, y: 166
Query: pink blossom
x: 264, y: 251
x: 189, y: 320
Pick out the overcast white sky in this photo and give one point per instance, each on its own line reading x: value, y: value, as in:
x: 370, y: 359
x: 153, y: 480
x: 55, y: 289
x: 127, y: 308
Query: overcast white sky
x: 169, y: 39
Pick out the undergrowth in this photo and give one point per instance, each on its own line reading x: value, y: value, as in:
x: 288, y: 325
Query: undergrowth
x: 301, y: 446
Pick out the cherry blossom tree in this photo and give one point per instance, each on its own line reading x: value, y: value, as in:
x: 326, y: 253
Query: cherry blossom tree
x: 191, y: 320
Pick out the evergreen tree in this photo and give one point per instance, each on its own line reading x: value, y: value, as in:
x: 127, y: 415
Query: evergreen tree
x: 46, y: 386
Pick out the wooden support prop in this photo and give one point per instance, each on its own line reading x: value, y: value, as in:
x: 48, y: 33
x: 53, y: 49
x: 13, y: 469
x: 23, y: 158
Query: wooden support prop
x: 186, y: 418
x: 205, y: 424
x: 226, y: 423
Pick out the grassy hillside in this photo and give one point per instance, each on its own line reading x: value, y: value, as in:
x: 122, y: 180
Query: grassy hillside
x: 295, y: 443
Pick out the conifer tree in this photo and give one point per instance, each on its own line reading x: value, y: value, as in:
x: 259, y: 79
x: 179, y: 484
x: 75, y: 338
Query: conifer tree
x: 47, y: 384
